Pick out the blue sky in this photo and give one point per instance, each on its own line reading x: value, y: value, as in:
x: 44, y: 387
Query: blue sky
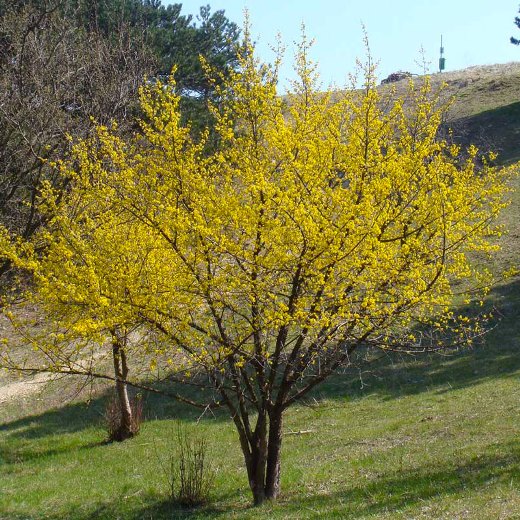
x: 475, y: 32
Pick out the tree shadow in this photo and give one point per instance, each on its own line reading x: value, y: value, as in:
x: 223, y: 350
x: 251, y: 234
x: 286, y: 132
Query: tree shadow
x: 400, y: 489
x: 391, y: 491
x: 28, y: 453
x: 392, y: 375
x: 79, y: 417
x: 154, y: 509
x: 497, y: 129
x: 70, y: 418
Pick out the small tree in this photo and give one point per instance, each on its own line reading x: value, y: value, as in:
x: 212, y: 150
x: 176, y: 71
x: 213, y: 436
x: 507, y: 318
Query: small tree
x: 83, y: 323
x: 326, y: 223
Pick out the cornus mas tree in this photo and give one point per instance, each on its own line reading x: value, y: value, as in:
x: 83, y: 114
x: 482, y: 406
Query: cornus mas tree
x: 323, y: 224
x: 80, y: 279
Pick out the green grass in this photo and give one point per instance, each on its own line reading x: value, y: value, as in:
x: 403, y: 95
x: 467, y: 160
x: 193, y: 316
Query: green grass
x: 409, y: 438
x: 434, y: 437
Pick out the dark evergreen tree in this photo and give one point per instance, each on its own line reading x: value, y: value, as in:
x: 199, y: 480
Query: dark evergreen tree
x: 53, y: 78
x: 517, y: 23
x: 174, y: 38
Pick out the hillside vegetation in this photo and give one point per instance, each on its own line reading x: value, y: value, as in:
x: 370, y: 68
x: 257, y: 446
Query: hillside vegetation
x: 487, y: 106
x: 432, y: 437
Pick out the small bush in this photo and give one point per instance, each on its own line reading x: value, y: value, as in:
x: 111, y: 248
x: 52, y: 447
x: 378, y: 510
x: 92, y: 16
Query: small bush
x: 187, y: 469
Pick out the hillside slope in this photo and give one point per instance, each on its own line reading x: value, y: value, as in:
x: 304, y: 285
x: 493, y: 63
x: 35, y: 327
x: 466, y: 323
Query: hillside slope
x: 486, y: 108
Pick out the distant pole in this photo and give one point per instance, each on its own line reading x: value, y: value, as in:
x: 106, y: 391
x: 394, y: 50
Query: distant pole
x: 442, y: 59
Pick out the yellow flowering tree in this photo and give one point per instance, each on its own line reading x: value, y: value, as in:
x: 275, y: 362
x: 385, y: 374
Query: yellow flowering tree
x: 79, y: 272
x: 323, y: 223
x: 91, y: 267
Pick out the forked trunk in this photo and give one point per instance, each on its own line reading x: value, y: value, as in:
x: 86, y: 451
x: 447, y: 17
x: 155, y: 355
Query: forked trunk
x: 263, y: 465
x: 256, y: 464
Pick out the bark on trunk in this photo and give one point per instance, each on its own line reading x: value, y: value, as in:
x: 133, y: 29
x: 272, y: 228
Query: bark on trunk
x: 126, y: 426
x: 272, y: 484
x: 257, y: 461
x: 263, y: 463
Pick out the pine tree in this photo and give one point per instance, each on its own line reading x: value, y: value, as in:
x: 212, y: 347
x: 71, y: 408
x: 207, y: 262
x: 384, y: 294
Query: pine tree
x: 514, y: 41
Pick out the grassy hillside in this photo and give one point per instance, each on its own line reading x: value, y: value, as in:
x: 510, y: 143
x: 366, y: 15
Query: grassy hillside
x: 487, y: 106
x: 435, y: 437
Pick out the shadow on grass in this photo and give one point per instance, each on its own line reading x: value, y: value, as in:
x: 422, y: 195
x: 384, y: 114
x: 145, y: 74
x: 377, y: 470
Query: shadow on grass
x: 68, y: 419
x: 497, y: 129
x: 403, y: 489
x: 160, y: 510
x: 10, y: 455
x: 389, y: 492
x: 394, y: 376
x: 154, y: 510
x: 80, y: 416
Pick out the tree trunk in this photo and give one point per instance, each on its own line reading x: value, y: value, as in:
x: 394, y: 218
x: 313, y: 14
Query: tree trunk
x: 259, y: 460
x: 126, y: 426
x: 263, y: 463
x: 272, y: 483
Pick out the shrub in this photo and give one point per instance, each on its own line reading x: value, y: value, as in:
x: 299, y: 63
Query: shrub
x: 113, y: 419
x: 188, y: 472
